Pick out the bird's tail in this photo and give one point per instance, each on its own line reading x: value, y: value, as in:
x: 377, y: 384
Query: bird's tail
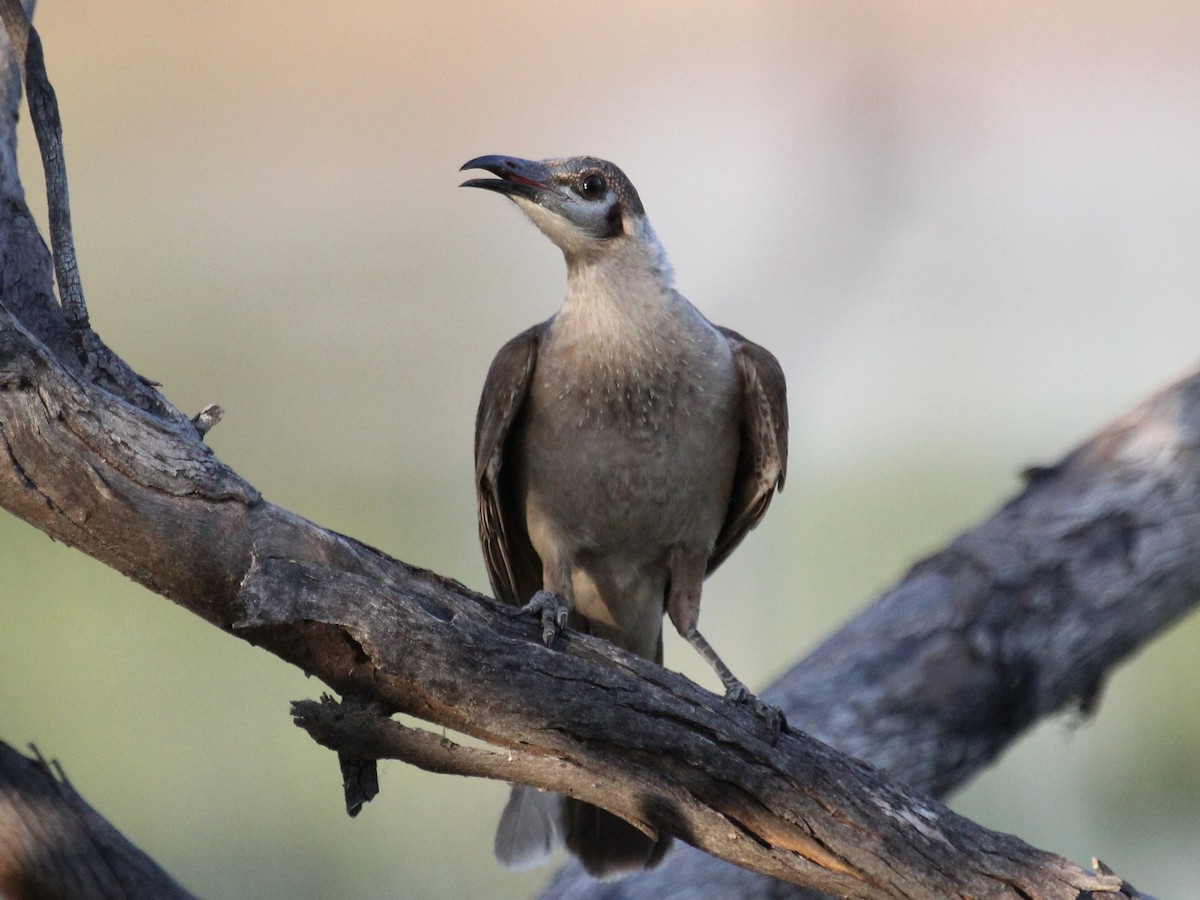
x: 529, y: 828
x: 606, y: 844
x: 535, y: 822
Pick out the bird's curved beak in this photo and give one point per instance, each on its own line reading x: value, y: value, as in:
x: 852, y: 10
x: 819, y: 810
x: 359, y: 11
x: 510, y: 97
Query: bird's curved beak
x: 516, y: 177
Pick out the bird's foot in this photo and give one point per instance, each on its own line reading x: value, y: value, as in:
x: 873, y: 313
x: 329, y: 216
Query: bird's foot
x: 772, y: 716
x: 551, y: 609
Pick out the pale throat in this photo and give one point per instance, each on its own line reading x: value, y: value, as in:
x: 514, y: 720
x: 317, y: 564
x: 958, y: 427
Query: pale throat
x: 625, y: 343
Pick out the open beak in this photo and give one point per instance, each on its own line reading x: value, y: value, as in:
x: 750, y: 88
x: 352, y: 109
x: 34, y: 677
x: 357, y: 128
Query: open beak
x: 515, y: 177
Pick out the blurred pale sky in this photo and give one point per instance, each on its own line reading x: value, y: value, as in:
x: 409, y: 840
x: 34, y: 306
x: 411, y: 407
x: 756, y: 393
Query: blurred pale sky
x: 967, y: 230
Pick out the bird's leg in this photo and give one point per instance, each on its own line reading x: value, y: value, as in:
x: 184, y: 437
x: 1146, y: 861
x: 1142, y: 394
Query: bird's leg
x: 553, y: 603
x: 735, y: 690
x: 552, y: 609
x: 683, y: 606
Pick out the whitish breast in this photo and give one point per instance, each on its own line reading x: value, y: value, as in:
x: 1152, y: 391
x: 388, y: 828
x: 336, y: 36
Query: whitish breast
x: 630, y: 445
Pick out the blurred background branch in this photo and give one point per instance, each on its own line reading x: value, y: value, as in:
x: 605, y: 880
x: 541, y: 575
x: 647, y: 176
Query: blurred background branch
x: 52, y: 844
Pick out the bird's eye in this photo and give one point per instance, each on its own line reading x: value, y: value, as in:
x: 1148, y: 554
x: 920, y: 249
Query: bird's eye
x: 592, y: 186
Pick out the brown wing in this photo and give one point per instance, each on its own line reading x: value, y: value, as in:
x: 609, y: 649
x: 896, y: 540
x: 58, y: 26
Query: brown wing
x: 513, y: 567
x: 762, y: 457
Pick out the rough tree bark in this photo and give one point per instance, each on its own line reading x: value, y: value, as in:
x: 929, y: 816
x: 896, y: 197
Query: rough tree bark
x: 1016, y: 619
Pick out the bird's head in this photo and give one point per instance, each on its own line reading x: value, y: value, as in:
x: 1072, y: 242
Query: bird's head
x: 584, y: 205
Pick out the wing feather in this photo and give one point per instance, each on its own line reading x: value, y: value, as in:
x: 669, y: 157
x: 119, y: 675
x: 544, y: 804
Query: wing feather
x: 762, y: 457
x: 512, y: 564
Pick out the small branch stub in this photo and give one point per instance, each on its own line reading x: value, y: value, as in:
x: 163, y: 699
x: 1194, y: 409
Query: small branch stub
x: 207, y: 418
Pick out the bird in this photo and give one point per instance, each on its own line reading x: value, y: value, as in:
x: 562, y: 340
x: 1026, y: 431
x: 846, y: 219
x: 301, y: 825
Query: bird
x: 624, y: 447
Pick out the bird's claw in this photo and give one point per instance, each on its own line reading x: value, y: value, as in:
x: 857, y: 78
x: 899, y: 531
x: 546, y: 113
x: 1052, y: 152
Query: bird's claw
x: 771, y: 715
x: 551, y: 609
